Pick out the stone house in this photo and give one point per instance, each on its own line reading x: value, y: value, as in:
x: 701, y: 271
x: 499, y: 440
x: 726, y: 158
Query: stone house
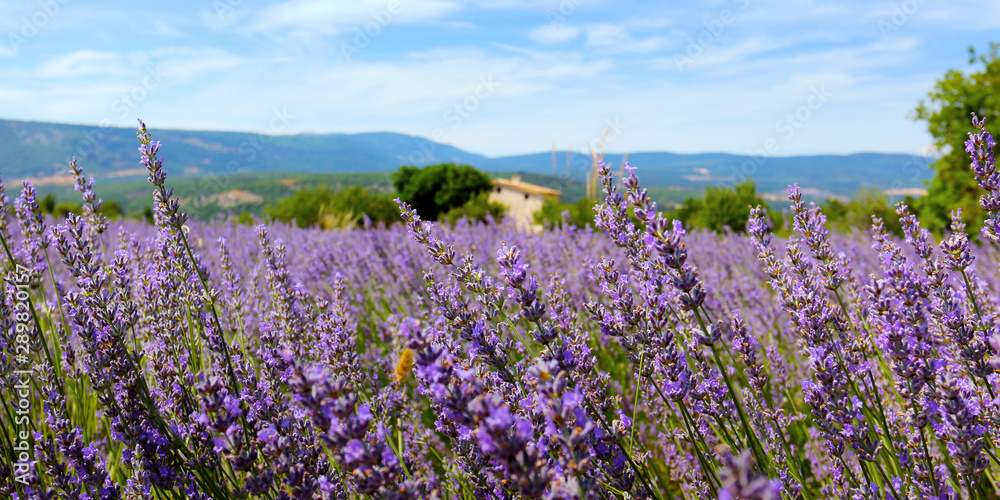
x: 522, y: 199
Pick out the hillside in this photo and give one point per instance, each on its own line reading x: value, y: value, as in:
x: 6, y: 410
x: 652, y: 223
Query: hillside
x: 40, y: 151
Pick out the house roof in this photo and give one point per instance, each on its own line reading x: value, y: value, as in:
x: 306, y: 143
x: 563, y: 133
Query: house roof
x: 518, y: 185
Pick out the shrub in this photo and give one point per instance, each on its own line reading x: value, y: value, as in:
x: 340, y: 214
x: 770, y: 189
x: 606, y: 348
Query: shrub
x: 723, y: 208
x: 475, y: 210
x: 347, y: 207
x: 302, y: 208
x: 436, y: 189
x: 554, y: 213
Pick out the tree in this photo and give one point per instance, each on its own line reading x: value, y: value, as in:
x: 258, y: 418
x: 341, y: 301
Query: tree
x: 48, y: 203
x: 303, y: 207
x: 111, y: 209
x: 61, y: 210
x: 948, y: 113
x: 724, y: 207
x: 436, y: 189
x: 856, y: 215
x: 475, y: 210
x: 349, y: 205
x: 581, y: 213
x: 320, y: 207
x: 51, y: 205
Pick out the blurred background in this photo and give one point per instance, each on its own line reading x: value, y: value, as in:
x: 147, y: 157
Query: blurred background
x: 256, y: 101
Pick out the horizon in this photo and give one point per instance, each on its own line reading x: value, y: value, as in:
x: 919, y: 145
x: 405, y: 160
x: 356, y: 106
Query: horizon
x: 501, y: 77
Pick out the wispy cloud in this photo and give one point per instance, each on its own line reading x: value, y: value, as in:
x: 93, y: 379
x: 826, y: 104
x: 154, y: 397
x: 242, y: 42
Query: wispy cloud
x: 334, y: 17
x: 163, y: 29
x: 554, y: 33
x: 82, y: 63
x: 562, y: 68
x: 611, y: 37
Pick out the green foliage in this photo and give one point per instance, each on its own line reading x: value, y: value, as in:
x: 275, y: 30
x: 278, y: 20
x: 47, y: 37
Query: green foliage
x: 302, y: 207
x: 581, y: 213
x: 111, y: 209
x: 436, y: 189
x: 351, y: 203
x: 48, y: 203
x: 856, y: 214
x: 948, y: 113
x: 320, y: 207
x: 246, y: 219
x: 61, y: 210
x: 476, y: 209
x: 722, y: 207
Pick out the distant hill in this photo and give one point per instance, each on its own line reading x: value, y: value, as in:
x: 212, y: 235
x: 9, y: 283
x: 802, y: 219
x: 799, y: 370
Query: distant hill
x: 40, y: 151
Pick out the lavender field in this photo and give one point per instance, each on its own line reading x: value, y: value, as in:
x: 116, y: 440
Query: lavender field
x: 217, y: 360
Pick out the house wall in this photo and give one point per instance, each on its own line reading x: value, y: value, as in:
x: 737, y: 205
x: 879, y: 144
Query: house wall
x: 521, y: 206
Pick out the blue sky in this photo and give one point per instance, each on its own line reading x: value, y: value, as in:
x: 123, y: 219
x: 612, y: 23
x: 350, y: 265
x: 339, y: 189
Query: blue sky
x: 499, y: 77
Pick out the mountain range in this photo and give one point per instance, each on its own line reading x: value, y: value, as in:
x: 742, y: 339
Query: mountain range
x: 40, y: 151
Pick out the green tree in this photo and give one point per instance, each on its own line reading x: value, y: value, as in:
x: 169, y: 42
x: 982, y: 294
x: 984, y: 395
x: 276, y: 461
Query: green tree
x: 724, y: 207
x: 146, y: 215
x: 303, y: 207
x: 350, y: 204
x: 111, y: 209
x: 581, y: 213
x: 61, y: 210
x: 321, y: 207
x: 48, y: 203
x: 856, y: 215
x: 476, y: 210
x: 246, y: 218
x: 436, y: 189
x: 948, y: 113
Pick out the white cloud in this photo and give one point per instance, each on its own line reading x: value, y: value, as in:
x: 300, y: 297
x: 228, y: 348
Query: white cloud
x: 693, y: 56
x: 616, y: 38
x: 179, y: 64
x: 222, y: 18
x: 554, y: 33
x: 759, y: 56
x: 82, y: 63
x: 186, y: 64
x: 163, y: 29
x: 323, y: 16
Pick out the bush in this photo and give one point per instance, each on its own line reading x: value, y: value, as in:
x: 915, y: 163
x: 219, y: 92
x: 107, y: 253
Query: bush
x: 436, y: 189
x: 355, y: 202
x: 475, y: 210
x: 320, y: 207
x: 51, y: 205
x: 723, y: 208
x: 856, y: 214
x: 302, y: 207
x: 580, y: 214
